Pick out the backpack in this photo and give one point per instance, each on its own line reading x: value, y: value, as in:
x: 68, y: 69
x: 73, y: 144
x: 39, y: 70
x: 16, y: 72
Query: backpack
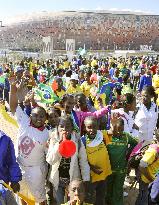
x: 137, y: 154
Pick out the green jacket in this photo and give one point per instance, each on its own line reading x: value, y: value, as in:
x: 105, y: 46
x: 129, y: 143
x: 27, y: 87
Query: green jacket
x: 119, y: 149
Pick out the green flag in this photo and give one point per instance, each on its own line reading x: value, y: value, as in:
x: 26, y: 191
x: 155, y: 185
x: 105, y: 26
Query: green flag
x: 46, y: 94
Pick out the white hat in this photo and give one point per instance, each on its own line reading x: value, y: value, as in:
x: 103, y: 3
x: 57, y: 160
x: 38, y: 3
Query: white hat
x: 74, y: 77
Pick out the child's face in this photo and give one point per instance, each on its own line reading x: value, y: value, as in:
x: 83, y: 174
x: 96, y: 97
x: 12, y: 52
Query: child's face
x: 73, y: 82
x: 118, y: 129
x: 60, y: 83
x: 87, y: 76
x: 81, y: 75
x: 68, y: 105
x: 148, y: 72
x: 132, y: 106
x: 91, y: 128
x: 65, y: 128
x: 76, y: 192
x: 146, y: 98
x: 38, y: 117
x: 53, y: 118
x: 81, y: 102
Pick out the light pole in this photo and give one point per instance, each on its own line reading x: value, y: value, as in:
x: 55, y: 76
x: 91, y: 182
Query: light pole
x: 1, y: 24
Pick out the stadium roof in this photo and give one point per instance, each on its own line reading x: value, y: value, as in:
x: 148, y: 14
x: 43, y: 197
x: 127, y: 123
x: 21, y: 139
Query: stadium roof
x: 45, y: 15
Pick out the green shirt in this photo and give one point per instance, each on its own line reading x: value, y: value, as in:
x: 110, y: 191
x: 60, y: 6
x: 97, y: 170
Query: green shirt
x: 119, y: 148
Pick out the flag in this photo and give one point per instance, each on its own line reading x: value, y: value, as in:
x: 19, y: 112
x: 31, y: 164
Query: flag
x: 7, y: 117
x: 46, y: 94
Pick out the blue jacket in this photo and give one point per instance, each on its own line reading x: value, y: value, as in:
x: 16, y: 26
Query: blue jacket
x: 5, y: 85
x: 9, y: 168
x: 145, y: 81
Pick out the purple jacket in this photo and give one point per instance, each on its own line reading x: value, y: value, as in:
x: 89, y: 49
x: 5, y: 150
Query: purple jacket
x: 97, y: 114
x: 9, y: 168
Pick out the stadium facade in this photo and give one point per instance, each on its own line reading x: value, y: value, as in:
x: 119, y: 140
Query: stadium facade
x: 96, y: 30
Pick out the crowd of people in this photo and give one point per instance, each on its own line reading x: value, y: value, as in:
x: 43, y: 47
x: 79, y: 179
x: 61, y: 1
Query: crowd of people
x: 83, y: 127
x: 96, y: 30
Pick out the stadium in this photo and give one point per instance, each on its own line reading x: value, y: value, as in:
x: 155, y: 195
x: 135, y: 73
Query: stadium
x: 97, y: 30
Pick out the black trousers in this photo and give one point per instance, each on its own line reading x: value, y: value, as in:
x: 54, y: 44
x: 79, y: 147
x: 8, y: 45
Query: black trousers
x: 96, y: 193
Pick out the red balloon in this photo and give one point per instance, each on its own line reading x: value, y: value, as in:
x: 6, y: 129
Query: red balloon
x: 67, y: 148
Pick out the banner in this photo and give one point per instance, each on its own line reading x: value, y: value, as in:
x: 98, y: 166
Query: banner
x: 70, y: 48
x: 48, y: 45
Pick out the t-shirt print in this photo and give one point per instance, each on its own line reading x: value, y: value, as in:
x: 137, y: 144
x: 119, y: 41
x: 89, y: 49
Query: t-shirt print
x: 26, y: 146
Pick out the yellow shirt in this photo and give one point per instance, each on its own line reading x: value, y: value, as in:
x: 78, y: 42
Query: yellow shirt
x: 155, y: 81
x: 152, y: 160
x: 120, y: 66
x: 94, y: 63
x: 98, y: 156
x: 60, y: 94
x: 66, y: 64
x: 72, y: 90
x: 85, y: 87
x: 96, y: 104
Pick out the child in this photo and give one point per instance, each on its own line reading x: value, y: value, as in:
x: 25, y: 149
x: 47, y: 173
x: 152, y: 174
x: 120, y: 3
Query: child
x: 147, y: 114
x: 121, y: 144
x: 32, y: 140
x: 68, y: 103
x: 53, y: 118
x: 149, y: 167
x: 145, y: 80
x: 127, y: 86
x: 98, y: 159
x: 73, y: 87
x: 83, y: 104
x: 87, y: 84
x: 60, y: 91
x: 53, y: 121
x: 9, y: 170
x: 155, y: 80
x: 65, y: 170
x: 77, y: 193
x: 126, y: 112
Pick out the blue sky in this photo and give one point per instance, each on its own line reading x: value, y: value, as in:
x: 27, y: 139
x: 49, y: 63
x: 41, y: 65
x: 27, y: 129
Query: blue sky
x: 16, y: 7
